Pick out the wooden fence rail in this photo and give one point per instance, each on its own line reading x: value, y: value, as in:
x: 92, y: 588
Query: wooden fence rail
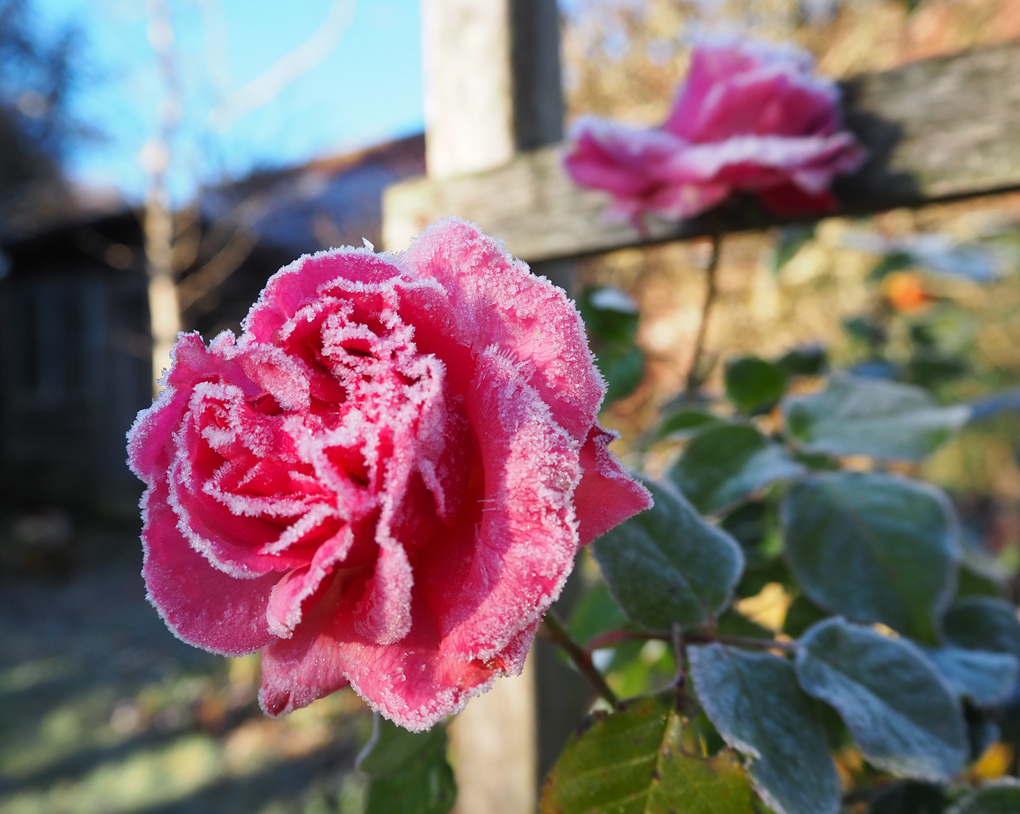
x: 936, y: 130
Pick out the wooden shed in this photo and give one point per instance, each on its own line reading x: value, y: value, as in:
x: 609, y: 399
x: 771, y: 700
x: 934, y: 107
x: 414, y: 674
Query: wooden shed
x: 75, y: 343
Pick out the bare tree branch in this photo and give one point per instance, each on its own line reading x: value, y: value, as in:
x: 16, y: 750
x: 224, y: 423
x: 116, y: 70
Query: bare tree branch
x: 174, y: 241
x: 216, y: 41
x: 187, y: 237
x: 224, y: 263
x: 285, y: 70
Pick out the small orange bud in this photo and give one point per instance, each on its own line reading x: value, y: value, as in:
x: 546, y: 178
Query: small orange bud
x: 904, y: 291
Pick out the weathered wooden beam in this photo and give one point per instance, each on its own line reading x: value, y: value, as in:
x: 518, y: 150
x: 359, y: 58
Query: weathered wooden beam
x: 937, y: 130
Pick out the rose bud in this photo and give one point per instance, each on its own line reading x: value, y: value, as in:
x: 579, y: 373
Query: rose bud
x: 384, y: 481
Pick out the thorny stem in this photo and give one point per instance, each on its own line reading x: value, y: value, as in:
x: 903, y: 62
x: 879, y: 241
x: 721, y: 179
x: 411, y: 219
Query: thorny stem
x: 556, y: 632
x: 614, y: 636
x: 694, y: 374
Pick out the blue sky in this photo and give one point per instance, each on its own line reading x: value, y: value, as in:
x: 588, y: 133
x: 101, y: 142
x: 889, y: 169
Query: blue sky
x: 367, y: 89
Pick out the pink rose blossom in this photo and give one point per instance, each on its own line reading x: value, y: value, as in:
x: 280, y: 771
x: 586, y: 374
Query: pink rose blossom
x: 749, y: 118
x: 384, y: 481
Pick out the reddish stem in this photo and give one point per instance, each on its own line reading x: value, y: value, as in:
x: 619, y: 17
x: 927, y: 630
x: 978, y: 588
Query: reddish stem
x: 612, y: 637
x: 695, y: 375
x: 556, y: 632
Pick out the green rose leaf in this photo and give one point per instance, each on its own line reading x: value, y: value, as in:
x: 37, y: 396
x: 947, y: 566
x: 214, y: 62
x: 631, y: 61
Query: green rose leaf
x: 866, y: 330
x: 595, y: 613
x: 891, y: 261
x: 755, y: 703
x: 983, y: 623
x: 804, y: 360
x: 756, y: 528
x: 881, y: 419
x: 791, y: 239
x: 392, y: 747
x: 623, y: 367
x: 668, y: 565
x: 985, y: 679
x: 724, y: 465
x: 999, y: 797
x: 874, y: 548
x: 909, y: 797
x: 899, y: 710
x: 802, y: 614
x: 407, y: 771
x: 754, y: 384
x: 930, y: 368
x: 611, y: 319
x: 635, y: 761
x: 982, y: 732
x: 733, y: 623
x: 610, y: 315
x: 684, y: 422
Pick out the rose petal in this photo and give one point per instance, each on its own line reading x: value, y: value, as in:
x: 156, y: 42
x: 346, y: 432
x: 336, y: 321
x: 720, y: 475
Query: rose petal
x: 231, y: 541
x: 607, y: 494
x: 487, y: 588
x: 617, y: 158
x: 307, y: 665
x: 749, y: 118
x: 289, y: 594
x: 790, y: 200
x: 300, y: 283
x: 714, y: 64
x: 409, y: 682
x: 769, y: 103
x: 403, y: 437
x: 494, y: 301
x: 203, y: 606
x: 149, y: 450
x: 384, y: 614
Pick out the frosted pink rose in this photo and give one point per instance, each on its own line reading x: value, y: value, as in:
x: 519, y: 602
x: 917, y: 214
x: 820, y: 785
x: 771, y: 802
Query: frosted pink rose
x: 750, y: 117
x: 384, y: 481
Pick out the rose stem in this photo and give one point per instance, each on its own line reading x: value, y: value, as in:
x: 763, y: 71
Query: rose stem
x: 694, y: 375
x: 679, y: 652
x: 556, y: 632
x: 614, y: 636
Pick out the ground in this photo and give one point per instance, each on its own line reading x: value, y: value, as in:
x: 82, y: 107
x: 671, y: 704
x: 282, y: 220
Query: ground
x: 102, y: 710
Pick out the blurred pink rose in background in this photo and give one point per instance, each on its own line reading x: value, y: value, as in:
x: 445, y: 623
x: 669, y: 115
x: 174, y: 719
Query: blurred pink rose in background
x: 384, y: 480
x: 750, y: 117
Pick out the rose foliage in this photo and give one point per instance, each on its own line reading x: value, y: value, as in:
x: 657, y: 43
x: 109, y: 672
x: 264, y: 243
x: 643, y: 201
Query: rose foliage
x: 384, y: 480
x: 787, y: 625
x: 750, y: 117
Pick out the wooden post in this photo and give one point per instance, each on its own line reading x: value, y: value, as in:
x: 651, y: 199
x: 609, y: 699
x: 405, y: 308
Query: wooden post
x: 481, y: 99
x: 538, y: 95
x: 468, y: 92
x: 493, y: 90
